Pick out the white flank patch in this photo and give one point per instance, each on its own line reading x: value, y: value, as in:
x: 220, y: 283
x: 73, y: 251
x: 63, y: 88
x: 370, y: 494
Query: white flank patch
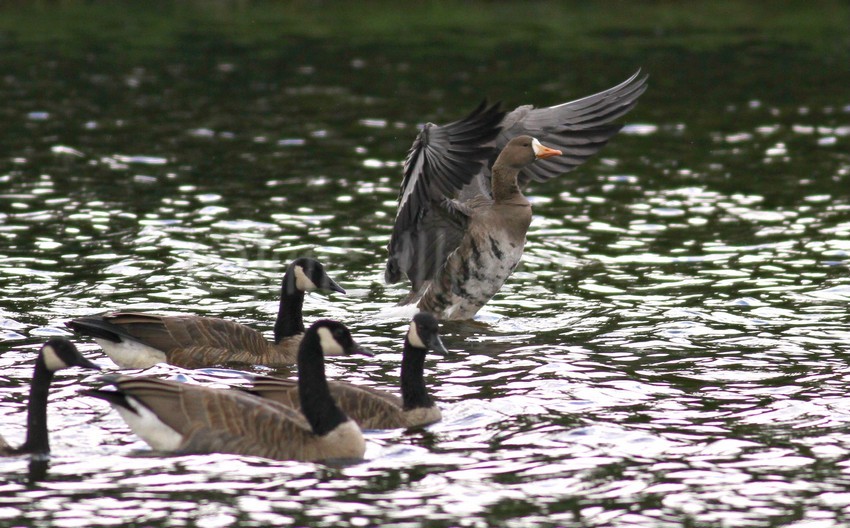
x: 149, y: 427
x: 413, y: 336
x: 536, y: 146
x: 131, y: 354
x: 51, y: 359
x: 330, y: 346
x: 302, y: 281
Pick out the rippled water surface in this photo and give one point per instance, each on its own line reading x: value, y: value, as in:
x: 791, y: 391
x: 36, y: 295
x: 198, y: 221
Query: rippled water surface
x: 672, y: 351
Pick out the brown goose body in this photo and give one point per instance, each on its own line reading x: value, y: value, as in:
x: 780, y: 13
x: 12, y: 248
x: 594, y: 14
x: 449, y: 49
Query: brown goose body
x: 176, y: 417
x: 454, y: 239
x: 371, y: 408
x: 140, y: 340
x: 492, y: 238
x: 374, y: 408
x: 490, y: 250
x: 186, y: 341
x: 209, y: 420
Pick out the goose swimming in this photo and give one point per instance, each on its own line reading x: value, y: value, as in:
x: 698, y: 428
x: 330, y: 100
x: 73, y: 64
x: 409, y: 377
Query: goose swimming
x: 141, y: 340
x: 177, y: 417
x: 373, y: 408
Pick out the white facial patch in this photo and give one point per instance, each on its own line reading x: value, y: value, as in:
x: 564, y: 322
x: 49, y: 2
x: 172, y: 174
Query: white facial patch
x: 538, y: 148
x: 302, y: 281
x: 330, y: 346
x: 147, y: 426
x: 52, y: 360
x: 413, y: 337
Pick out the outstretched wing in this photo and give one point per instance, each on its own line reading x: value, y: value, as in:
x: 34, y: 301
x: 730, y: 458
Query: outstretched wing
x: 578, y: 128
x: 442, y: 160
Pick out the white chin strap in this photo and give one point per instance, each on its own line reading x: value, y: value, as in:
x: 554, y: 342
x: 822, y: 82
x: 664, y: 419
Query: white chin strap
x: 302, y: 281
x: 413, y: 337
x: 330, y: 346
x: 52, y: 360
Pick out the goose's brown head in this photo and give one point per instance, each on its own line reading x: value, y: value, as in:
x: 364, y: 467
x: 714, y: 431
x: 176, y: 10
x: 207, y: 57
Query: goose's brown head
x: 521, y: 151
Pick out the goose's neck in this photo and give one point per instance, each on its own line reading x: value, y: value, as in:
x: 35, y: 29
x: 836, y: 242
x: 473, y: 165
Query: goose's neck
x: 37, y: 441
x: 317, y: 404
x: 413, y: 391
x: 504, y: 181
x: 289, y: 319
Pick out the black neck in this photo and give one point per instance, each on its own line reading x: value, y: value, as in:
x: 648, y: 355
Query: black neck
x: 317, y: 404
x: 413, y: 391
x: 36, y: 441
x: 289, y: 319
x: 504, y: 183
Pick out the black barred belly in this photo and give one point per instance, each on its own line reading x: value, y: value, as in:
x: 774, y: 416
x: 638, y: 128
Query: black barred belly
x: 475, y: 279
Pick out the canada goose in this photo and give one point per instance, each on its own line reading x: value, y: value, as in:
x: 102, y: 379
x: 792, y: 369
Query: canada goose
x: 56, y: 354
x: 178, y: 417
x: 462, y: 218
x: 140, y: 340
x: 372, y: 408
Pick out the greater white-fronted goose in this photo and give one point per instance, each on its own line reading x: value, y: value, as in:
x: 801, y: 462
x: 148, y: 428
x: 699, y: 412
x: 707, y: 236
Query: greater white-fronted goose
x: 373, y: 408
x: 141, y: 340
x: 177, y: 417
x: 462, y: 219
x: 56, y: 354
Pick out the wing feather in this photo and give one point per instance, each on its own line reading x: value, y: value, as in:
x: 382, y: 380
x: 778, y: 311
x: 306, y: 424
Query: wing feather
x: 578, y: 128
x: 188, y: 341
x: 371, y: 408
x: 219, y: 420
x: 442, y: 160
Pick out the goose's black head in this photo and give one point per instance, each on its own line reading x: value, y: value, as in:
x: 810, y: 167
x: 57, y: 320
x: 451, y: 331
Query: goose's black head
x: 424, y: 332
x: 58, y: 353
x: 335, y: 339
x: 306, y: 274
